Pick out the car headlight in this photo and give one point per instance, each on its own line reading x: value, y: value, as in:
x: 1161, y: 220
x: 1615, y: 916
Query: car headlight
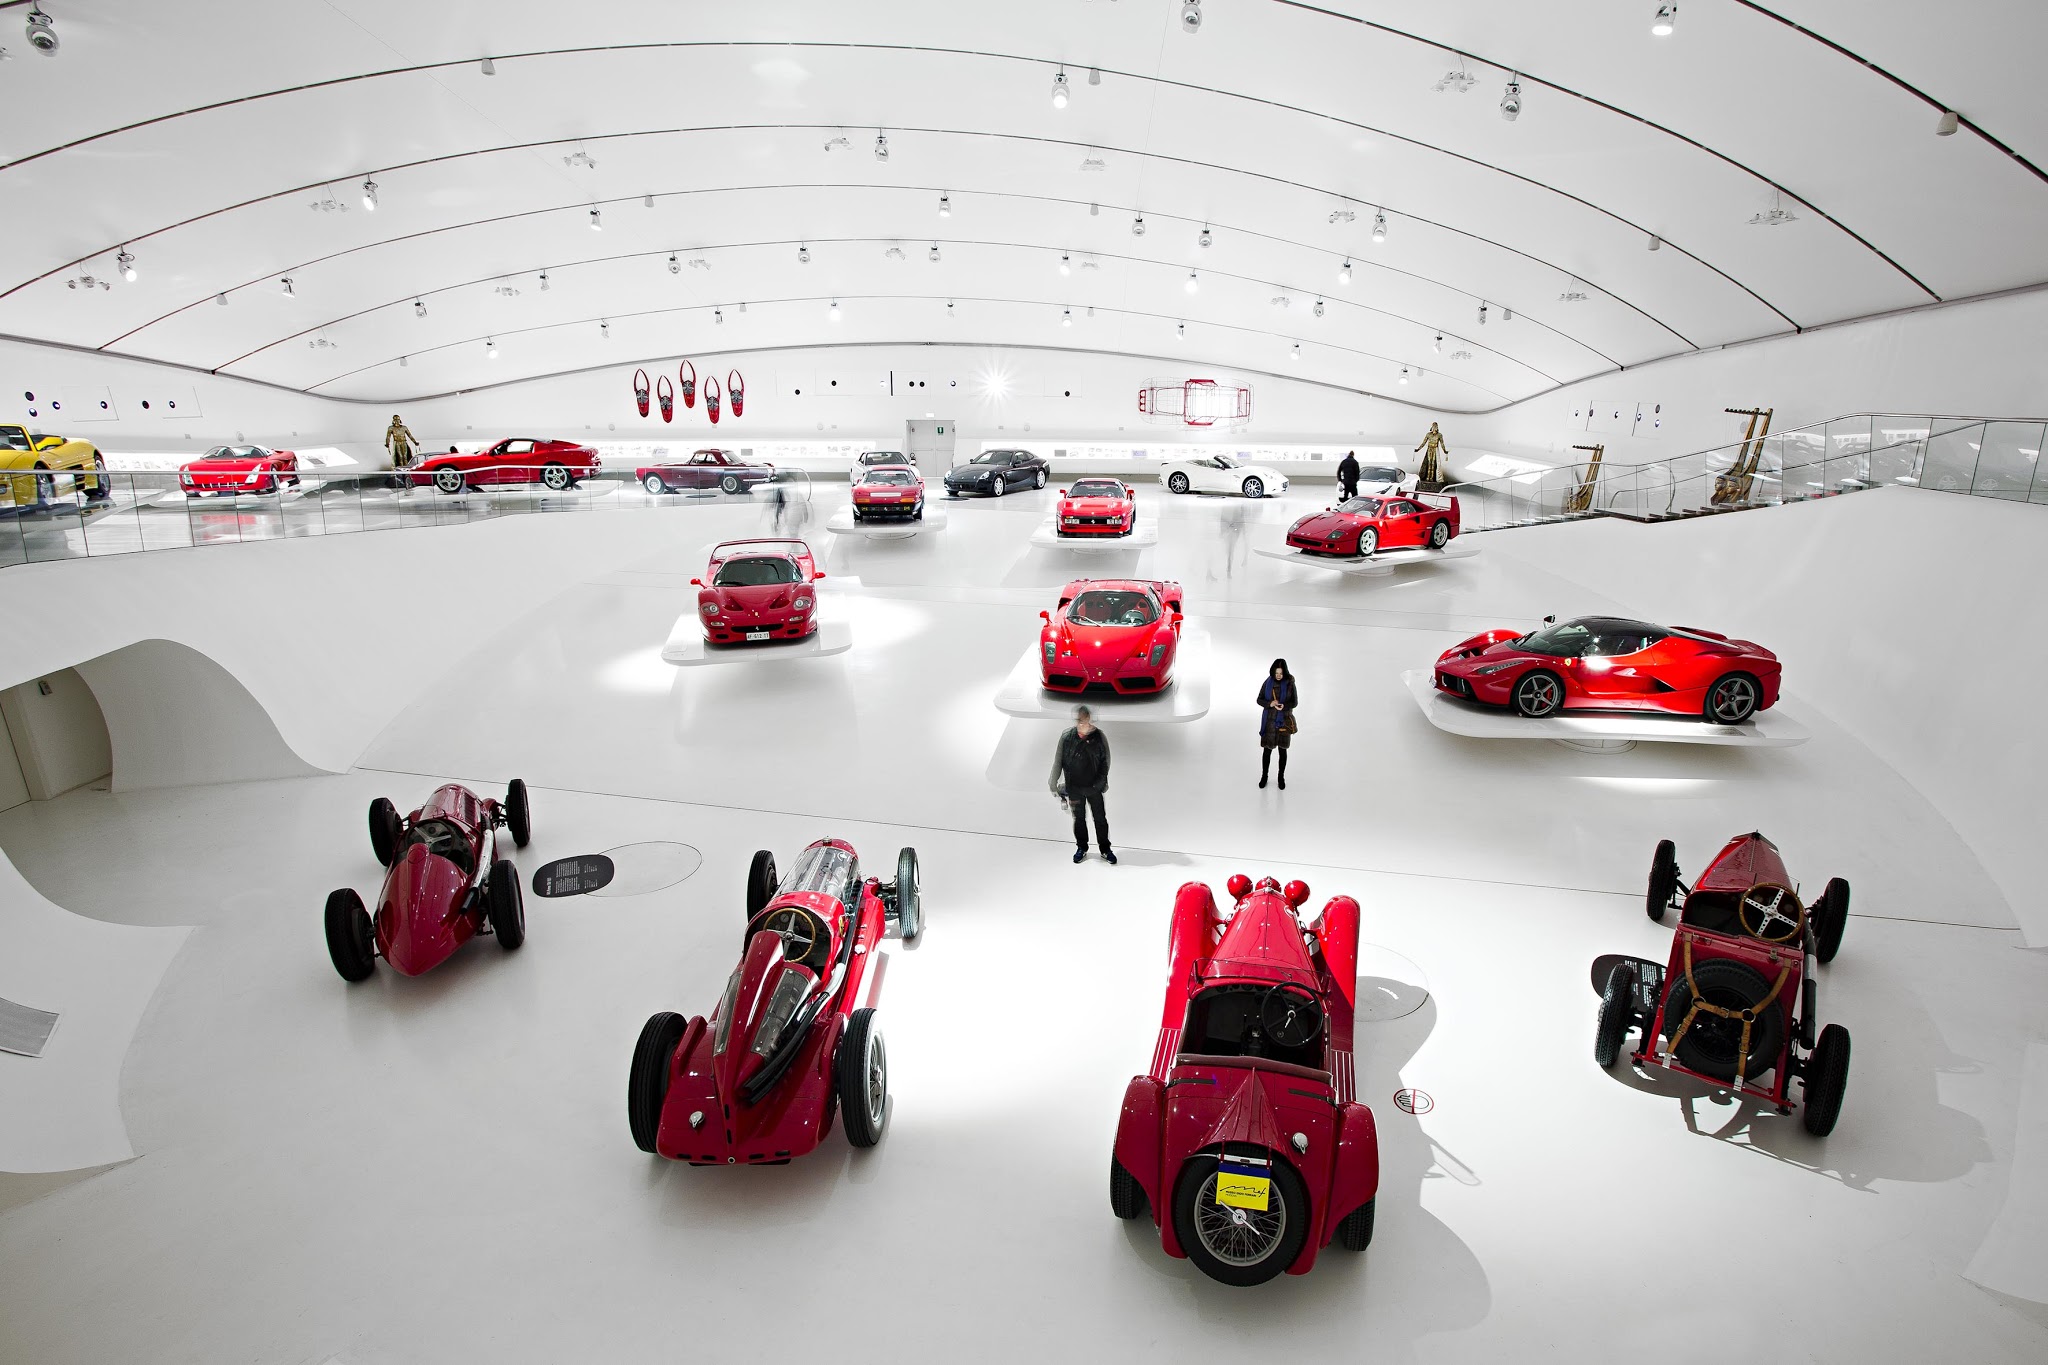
x: 1071, y: 521
x: 709, y: 608
x: 723, y: 1031
x: 790, y: 988
x: 1491, y: 669
x: 1158, y: 653
x: 1048, y: 651
x: 802, y: 604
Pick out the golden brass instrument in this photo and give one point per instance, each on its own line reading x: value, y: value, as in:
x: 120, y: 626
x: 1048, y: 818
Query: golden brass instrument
x: 1580, y: 499
x: 1734, y: 486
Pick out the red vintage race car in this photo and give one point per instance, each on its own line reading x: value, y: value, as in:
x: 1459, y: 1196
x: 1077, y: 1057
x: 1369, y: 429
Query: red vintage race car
x: 1244, y: 1140
x: 444, y: 883
x: 1097, y: 507
x: 1607, y: 663
x: 1122, y: 634
x: 794, y: 1036
x: 1363, y: 525
x: 240, y: 469
x: 1738, y: 998
x: 889, y: 492
x: 755, y: 590
x: 554, y: 464
x: 707, y: 468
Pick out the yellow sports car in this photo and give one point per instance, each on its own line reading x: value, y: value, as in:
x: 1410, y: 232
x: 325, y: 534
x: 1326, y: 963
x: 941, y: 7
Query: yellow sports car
x: 46, y: 459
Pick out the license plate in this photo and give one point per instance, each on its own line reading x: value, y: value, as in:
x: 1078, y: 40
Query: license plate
x: 757, y: 635
x: 1241, y: 1187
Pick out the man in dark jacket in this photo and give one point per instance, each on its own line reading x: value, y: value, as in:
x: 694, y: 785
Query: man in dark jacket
x: 1347, y: 476
x: 1080, y: 776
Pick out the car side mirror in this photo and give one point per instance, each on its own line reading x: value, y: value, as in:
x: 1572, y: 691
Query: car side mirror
x: 696, y: 582
x: 1178, y: 618
x: 816, y: 576
x: 1046, y: 617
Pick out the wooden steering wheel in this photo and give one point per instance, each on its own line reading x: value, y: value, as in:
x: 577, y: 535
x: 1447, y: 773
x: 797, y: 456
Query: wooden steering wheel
x: 799, y: 930
x: 1771, y: 913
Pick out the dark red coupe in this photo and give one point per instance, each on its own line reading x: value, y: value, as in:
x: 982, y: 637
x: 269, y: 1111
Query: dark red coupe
x: 756, y: 590
x: 707, y: 468
x: 1119, y: 634
x: 1094, y: 508
x: 1361, y: 526
x: 240, y: 469
x: 1607, y: 663
x: 444, y: 883
x: 555, y: 465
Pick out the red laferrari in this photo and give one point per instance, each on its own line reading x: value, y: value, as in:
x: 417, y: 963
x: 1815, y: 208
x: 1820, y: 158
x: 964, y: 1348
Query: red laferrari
x: 1244, y: 1140
x: 444, y: 884
x: 756, y: 590
x: 1605, y: 663
x: 1121, y: 634
x: 1097, y: 507
x: 1360, y: 526
x: 239, y: 469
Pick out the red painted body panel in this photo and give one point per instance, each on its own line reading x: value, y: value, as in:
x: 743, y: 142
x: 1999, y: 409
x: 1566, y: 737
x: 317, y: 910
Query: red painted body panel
x: 707, y: 468
x: 1074, y: 656
x: 261, y: 471
x: 1669, y: 677
x: 1400, y: 521
x: 1084, y: 513
x: 429, y: 906
x: 876, y: 500
x: 787, y: 611
x: 512, y: 461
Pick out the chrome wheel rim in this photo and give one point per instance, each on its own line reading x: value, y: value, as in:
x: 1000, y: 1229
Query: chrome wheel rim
x: 1368, y: 541
x: 1239, y: 1237
x: 652, y: 484
x: 878, y: 1077
x: 1539, y: 695
x: 1734, y: 699
x: 1254, y: 489
x: 1178, y: 483
x: 448, y: 481
x: 555, y: 477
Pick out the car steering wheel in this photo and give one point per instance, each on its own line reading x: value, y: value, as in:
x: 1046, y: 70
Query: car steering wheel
x: 1764, y: 916
x: 1290, y: 1016
x: 798, y: 930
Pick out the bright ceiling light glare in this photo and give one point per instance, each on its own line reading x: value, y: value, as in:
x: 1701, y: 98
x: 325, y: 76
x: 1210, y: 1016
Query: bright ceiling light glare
x: 126, y: 264
x: 596, y: 221
x: 490, y: 349
x: 289, y: 292
x: 1067, y: 318
x: 1379, y: 226
x: 369, y: 195
x: 1066, y: 265
x: 1344, y: 272
x: 1666, y: 20
x: 1059, y: 89
x: 1511, y: 99
x: 1138, y: 226
x: 834, y: 314
x: 419, y: 308
x: 1205, y: 238
x: 945, y: 206
x: 881, y: 147
x: 1191, y: 17
x: 933, y: 254
x: 675, y: 267
x: 1194, y: 282
x: 803, y: 255
x: 1948, y: 123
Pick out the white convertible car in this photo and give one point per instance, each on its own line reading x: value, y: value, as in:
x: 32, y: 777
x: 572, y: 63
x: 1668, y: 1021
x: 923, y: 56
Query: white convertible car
x: 869, y: 459
x: 1382, y: 479
x: 1221, y: 474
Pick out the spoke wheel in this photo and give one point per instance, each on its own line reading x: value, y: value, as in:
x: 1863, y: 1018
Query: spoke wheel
x: 556, y: 477
x: 448, y: 480
x: 1539, y: 694
x: 1239, y: 1246
x: 1177, y: 483
x: 1733, y: 699
x: 653, y: 484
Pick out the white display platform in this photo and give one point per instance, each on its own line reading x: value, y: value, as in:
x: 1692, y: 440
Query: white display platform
x: 1023, y: 692
x: 1047, y: 537
x: 1771, y: 729
x: 841, y: 523
x: 1373, y: 566
x: 686, y: 647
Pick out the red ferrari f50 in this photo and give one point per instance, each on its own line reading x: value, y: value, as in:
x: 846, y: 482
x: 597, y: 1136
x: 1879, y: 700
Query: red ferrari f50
x: 1605, y: 663
x: 755, y: 590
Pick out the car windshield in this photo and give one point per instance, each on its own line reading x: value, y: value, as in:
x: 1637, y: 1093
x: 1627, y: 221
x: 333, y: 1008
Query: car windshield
x: 825, y: 869
x: 760, y: 571
x: 989, y: 457
x: 1600, y: 636
x: 1363, y: 507
x: 1096, y: 488
x: 232, y: 453
x: 883, y: 457
x: 1113, y: 607
x: 1564, y: 640
x: 1225, y: 462
x: 14, y: 438
x: 901, y: 478
x: 1381, y: 474
x: 442, y: 839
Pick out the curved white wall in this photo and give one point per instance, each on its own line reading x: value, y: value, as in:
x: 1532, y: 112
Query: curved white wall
x: 175, y: 718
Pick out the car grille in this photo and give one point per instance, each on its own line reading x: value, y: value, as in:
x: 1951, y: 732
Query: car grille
x: 1137, y: 684
x: 1453, y: 684
x: 1062, y: 680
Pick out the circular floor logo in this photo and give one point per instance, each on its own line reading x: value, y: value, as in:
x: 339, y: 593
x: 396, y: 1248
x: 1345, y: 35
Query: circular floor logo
x: 1413, y: 1101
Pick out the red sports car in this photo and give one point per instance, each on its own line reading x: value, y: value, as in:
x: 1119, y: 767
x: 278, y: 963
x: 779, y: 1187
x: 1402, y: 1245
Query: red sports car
x: 1098, y: 507
x: 239, y: 469
x: 889, y: 492
x: 1606, y: 663
x: 755, y: 590
x: 1360, y: 526
x: 707, y: 468
x: 443, y: 885
x: 794, y: 1035
x: 554, y: 464
x: 1244, y: 1140
x: 1123, y: 634
x: 1737, y: 999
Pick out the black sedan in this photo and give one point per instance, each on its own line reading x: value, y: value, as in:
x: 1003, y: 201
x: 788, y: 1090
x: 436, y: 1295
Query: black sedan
x: 996, y: 472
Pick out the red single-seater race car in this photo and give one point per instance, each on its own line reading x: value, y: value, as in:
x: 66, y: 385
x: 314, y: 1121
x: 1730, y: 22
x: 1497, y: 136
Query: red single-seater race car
x: 889, y: 492
x: 1244, y: 1139
x: 444, y: 883
x: 707, y: 468
x: 1120, y: 634
x: 1738, y: 998
x: 1097, y: 507
x: 794, y: 1036
x: 1364, y: 525
x: 240, y: 469
x: 554, y: 464
x: 755, y: 590
x: 1607, y: 663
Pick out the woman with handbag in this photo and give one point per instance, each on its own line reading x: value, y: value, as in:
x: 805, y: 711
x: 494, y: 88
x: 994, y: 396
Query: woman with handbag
x: 1277, y: 699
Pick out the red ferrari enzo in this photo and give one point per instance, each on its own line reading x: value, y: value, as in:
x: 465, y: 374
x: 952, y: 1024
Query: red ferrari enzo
x: 1244, y: 1140
x: 756, y: 590
x: 554, y: 464
x: 239, y: 469
x: 1605, y: 663
x: 889, y: 492
x: 444, y: 884
x: 1097, y: 507
x: 708, y: 468
x: 1359, y: 526
x: 794, y: 1036
x: 1123, y: 634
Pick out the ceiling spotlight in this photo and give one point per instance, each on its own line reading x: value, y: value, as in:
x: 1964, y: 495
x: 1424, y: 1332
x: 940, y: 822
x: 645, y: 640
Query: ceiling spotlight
x: 647, y: 201
x: 489, y: 67
x: 1656, y: 242
x: 1777, y: 215
x: 675, y: 267
x: 1181, y: 330
x: 1439, y: 343
x: 1404, y: 374
x: 1138, y: 226
x: 1511, y: 99
x: 1066, y: 266
x: 1193, y: 283
x: 1059, y: 89
x: 838, y: 144
x: 1948, y: 124
x: 1482, y: 315
x: 1344, y: 272
x: 419, y: 306
x: 1281, y: 301
x: 1319, y: 308
x: 221, y: 299
x: 543, y: 285
x: 1379, y: 226
x: 596, y: 221
x: 834, y: 314
x: 881, y: 147
x: 42, y: 32
x: 1067, y: 318
x: 1295, y: 354
x: 1205, y: 238
x: 1191, y: 16
x: 933, y: 254
x: 945, y: 206
x: 1506, y: 315
x: 1666, y: 20
x: 369, y: 194
x: 490, y: 349
x: 718, y: 317
x: 949, y: 308
x: 803, y: 255
x: 604, y: 328
x: 289, y: 292
x: 403, y: 361
x: 1096, y: 165
x: 126, y: 265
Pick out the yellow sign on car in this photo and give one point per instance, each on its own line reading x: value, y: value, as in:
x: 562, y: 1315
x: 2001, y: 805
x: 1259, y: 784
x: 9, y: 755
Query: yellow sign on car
x: 1242, y: 1189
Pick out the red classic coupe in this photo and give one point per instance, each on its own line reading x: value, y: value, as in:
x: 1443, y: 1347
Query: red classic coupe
x: 1097, y: 507
x: 794, y: 1036
x: 554, y: 464
x: 1360, y: 526
x: 755, y: 590
x: 707, y: 468
x: 1738, y: 997
x: 444, y: 884
x: 239, y: 469
x: 1122, y: 634
x: 1606, y: 663
x: 889, y: 492
x: 1244, y: 1140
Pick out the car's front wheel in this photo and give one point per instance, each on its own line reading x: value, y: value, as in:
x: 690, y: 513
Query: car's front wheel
x: 1826, y: 1080
x: 1368, y: 541
x: 1239, y: 1246
x: 556, y: 477
x: 1663, y: 880
x: 730, y: 483
x: 351, y: 938
x: 448, y: 480
x: 647, y: 1082
x: 101, y: 489
x: 1615, y: 1011
x: 1539, y: 693
x: 1254, y: 488
x: 862, y: 1073
x: 653, y: 484
x: 385, y: 827
x: 506, y: 904
x: 1176, y: 483
x: 1354, y: 1232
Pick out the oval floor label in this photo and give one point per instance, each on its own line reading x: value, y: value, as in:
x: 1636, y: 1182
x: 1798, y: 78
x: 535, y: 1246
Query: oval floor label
x: 1413, y: 1101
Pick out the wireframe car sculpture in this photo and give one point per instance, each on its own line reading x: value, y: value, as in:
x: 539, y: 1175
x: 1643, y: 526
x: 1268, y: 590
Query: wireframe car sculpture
x: 758, y: 590
x: 1607, y: 663
x: 1122, y: 634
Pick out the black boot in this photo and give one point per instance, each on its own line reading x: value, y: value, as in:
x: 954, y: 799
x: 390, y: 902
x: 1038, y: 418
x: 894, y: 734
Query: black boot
x: 1283, y: 770
x: 1265, y: 765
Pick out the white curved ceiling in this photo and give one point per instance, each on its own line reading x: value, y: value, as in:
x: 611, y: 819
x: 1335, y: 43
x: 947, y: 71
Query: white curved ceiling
x: 201, y: 145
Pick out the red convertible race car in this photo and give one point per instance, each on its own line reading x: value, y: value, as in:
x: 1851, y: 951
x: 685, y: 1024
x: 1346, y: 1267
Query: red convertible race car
x: 239, y: 469
x: 889, y: 492
x: 1244, y: 1140
x: 1606, y: 663
x: 755, y: 590
x: 1122, y: 634
x: 1738, y: 998
x: 1097, y: 507
x: 444, y: 884
x: 555, y: 464
x: 794, y: 1036
x: 1361, y: 526
x: 708, y: 468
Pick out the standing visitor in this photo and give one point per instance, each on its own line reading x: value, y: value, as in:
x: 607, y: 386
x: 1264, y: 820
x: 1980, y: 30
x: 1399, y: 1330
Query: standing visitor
x: 1277, y: 699
x: 1347, y: 476
x: 1080, y: 776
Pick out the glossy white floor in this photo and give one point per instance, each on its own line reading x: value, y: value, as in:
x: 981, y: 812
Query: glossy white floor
x: 439, y: 1169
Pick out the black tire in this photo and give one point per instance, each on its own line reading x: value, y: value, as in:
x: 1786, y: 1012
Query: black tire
x: 556, y: 478
x: 1710, y: 1045
x: 1288, y: 1193
x: 655, y: 484
x: 46, y: 488
x: 861, y: 1073
x: 1368, y: 541
x: 1176, y: 482
x: 1126, y: 1195
x: 1354, y: 1232
x: 761, y: 882
x: 449, y: 480
x: 1732, y: 699
x: 1002, y: 484
x: 730, y: 484
x: 384, y: 829
x: 1439, y: 535
x: 1255, y: 488
x: 1826, y: 1081
x: 518, y: 814
x: 506, y: 903
x: 1614, y: 1019
x: 1830, y: 915
x: 647, y: 1083
x: 100, y: 490
x: 351, y: 939
x: 1538, y: 693
x: 1038, y: 479
x: 1663, y: 880
x: 909, y: 895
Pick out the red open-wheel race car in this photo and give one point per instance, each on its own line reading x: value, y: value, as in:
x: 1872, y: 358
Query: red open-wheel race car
x: 1608, y: 663
x: 444, y: 883
x: 1738, y: 999
x: 1244, y: 1140
x: 1115, y: 633
x: 794, y: 1037
x: 755, y: 590
x: 1096, y: 508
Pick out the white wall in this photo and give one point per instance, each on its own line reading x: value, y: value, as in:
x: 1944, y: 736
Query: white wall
x: 60, y: 738
x: 175, y: 718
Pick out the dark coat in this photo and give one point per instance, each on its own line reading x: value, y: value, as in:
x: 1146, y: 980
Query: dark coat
x: 1080, y: 766
x: 1269, y: 720
x: 1347, y: 471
